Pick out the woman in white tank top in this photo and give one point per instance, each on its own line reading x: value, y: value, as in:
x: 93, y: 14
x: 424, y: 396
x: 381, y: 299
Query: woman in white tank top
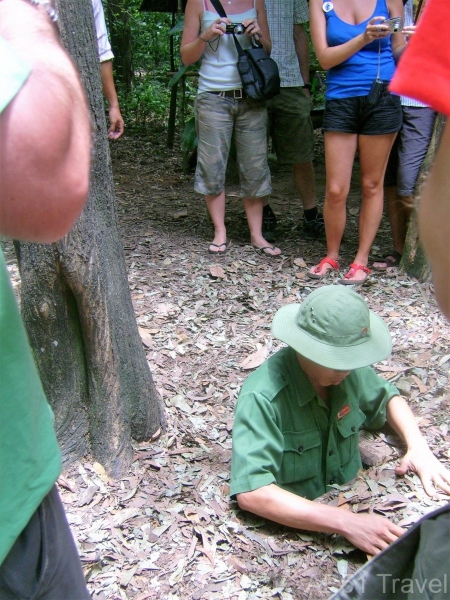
x: 222, y: 110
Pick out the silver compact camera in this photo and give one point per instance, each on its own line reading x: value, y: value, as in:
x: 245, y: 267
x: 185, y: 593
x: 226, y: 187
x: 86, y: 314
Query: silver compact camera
x: 395, y: 24
x: 236, y: 28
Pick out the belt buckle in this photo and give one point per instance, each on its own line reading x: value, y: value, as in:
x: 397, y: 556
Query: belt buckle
x: 237, y: 94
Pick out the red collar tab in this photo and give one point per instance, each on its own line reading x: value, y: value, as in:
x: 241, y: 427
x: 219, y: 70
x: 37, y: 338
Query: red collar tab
x: 344, y: 411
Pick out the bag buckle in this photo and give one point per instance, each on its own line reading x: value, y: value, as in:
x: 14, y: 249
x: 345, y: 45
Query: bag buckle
x: 238, y: 94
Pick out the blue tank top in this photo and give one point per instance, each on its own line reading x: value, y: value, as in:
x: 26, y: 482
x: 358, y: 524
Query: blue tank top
x: 355, y: 76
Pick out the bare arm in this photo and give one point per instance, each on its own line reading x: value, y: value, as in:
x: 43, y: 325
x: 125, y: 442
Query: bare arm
x: 398, y: 42
x: 116, y: 123
x: 302, y: 51
x: 330, y: 56
x: 368, y: 532
x: 192, y: 46
x: 434, y: 221
x: 261, y: 27
x: 44, y: 133
x: 418, y: 457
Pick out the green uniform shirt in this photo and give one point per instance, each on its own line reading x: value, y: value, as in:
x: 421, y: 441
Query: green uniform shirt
x: 283, y: 433
x: 30, y: 460
x: 13, y: 73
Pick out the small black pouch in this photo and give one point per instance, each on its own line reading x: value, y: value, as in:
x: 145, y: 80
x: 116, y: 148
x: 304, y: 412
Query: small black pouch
x: 377, y: 91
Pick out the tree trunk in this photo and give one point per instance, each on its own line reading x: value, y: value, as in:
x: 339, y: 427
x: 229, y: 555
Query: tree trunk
x: 77, y: 307
x: 121, y: 42
x: 414, y: 261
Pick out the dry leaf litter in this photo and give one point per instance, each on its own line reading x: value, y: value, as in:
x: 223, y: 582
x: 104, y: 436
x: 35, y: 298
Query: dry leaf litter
x: 168, y: 529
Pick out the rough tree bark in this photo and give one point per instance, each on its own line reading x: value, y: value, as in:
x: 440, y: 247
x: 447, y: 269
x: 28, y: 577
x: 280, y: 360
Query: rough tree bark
x: 414, y: 261
x: 77, y: 307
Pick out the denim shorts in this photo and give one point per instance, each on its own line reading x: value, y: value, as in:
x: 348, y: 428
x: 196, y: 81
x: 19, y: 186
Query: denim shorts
x: 409, y: 149
x: 357, y: 115
x: 219, y: 120
x: 291, y: 126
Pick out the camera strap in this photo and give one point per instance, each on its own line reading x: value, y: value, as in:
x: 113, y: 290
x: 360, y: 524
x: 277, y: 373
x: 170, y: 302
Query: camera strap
x: 420, y: 7
x: 221, y: 12
x: 219, y: 8
x: 379, y: 61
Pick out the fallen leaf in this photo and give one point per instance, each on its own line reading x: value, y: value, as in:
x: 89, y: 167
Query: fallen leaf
x: 246, y: 582
x: 254, y: 360
x: 420, y: 384
x: 145, y: 337
x: 299, y: 262
x: 342, y: 567
x: 180, y: 213
x: 127, y: 576
x: 237, y: 564
x: 181, y: 403
x: 217, y: 271
x: 100, y: 470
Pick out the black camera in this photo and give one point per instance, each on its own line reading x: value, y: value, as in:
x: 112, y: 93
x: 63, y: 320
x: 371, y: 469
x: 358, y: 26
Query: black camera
x: 236, y: 28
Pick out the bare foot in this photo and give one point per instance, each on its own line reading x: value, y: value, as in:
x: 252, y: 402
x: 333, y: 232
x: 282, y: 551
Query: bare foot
x: 263, y: 246
x: 269, y: 250
x: 220, y: 244
x: 390, y: 260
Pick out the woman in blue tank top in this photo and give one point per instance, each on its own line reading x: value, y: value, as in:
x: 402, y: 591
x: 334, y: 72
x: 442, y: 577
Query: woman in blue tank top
x: 355, y: 45
x: 223, y: 111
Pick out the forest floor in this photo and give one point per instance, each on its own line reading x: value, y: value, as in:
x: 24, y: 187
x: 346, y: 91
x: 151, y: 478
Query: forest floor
x: 168, y: 529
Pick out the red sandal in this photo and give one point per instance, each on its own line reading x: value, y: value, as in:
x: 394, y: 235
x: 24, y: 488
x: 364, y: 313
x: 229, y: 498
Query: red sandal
x: 354, y: 268
x: 315, y: 273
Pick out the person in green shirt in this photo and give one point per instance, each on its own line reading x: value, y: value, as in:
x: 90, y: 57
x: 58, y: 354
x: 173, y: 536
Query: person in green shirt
x: 44, y: 180
x: 298, y: 415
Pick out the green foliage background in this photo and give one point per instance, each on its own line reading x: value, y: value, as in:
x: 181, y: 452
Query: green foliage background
x: 148, y: 102
x: 149, y: 99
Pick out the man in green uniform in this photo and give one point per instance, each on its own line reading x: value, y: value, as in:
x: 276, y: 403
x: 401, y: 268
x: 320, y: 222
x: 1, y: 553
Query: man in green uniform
x: 298, y: 416
x: 44, y: 179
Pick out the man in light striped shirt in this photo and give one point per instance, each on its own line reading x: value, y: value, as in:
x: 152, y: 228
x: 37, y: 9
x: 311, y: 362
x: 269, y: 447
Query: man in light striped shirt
x: 105, y: 55
x: 405, y: 161
x: 289, y: 112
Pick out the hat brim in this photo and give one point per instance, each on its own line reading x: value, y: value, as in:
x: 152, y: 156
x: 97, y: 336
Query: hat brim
x: 375, y: 347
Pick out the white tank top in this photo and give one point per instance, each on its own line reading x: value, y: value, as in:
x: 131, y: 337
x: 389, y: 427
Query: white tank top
x: 218, y: 70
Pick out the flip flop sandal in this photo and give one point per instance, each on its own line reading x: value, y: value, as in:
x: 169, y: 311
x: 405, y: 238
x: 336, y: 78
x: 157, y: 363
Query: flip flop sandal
x: 391, y: 259
x: 225, y: 247
x: 354, y: 268
x: 315, y: 274
x: 264, y: 249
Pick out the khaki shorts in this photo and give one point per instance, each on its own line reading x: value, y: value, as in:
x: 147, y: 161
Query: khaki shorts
x: 291, y: 126
x: 219, y: 121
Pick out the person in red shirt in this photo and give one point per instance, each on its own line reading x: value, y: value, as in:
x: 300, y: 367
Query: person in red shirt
x: 429, y: 53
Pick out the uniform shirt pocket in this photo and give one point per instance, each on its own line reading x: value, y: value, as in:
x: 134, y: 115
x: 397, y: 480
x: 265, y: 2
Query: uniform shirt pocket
x: 348, y: 435
x: 301, y: 457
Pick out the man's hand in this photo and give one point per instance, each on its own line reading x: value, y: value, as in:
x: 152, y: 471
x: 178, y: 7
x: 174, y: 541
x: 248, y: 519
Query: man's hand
x: 370, y: 533
x: 116, y: 123
x: 307, y: 93
x: 434, y: 476
x: 418, y: 457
